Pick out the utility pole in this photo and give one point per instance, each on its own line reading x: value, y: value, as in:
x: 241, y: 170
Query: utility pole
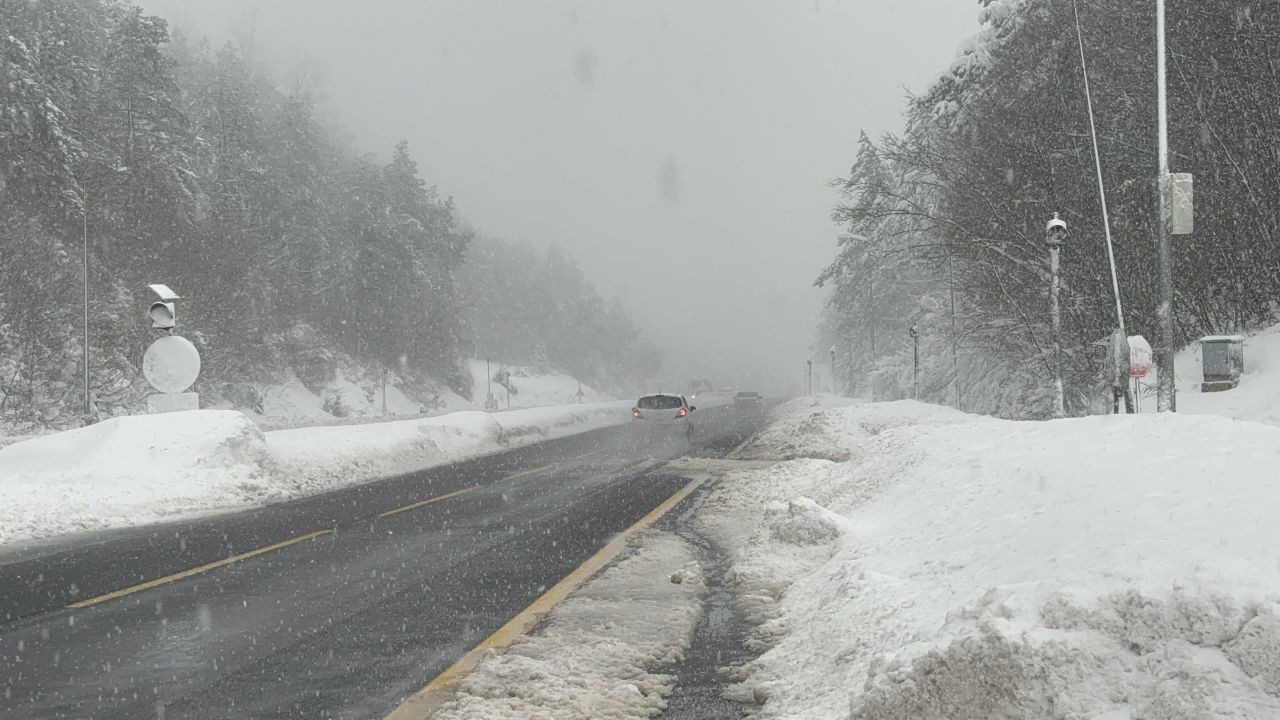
x: 955, y: 361
x: 834, y: 390
x: 1055, y: 233
x: 809, y: 375
x: 1166, y: 397
x: 915, y: 362
x: 84, y: 217
x: 490, y: 403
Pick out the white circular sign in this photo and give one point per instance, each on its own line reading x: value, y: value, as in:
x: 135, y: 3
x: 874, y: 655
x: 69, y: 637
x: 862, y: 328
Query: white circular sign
x: 171, y: 364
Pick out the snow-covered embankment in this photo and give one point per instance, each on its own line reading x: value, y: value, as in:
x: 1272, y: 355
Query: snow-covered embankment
x: 908, y: 561
x: 136, y: 470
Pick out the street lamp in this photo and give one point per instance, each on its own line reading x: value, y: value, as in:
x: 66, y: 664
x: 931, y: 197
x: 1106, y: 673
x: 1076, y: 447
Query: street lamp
x: 1055, y: 233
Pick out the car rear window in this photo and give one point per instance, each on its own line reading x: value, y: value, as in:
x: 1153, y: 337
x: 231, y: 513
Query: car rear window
x: 659, y: 402
x: 748, y: 394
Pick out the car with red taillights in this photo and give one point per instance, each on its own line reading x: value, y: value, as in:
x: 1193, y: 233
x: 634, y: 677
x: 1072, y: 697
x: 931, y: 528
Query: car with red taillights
x: 664, y: 412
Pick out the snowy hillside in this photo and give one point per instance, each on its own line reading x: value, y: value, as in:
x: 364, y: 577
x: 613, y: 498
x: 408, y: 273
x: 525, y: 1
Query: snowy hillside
x: 952, y: 566
x: 532, y: 387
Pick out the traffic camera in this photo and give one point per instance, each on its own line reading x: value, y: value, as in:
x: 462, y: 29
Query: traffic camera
x: 163, y: 314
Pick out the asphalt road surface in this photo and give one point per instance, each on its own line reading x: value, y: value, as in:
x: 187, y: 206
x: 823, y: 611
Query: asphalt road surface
x: 337, y: 606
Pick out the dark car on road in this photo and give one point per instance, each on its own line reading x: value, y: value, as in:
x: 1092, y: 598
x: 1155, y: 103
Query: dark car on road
x: 748, y: 399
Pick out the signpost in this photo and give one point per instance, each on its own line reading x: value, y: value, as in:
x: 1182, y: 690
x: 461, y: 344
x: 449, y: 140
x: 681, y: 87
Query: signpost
x: 1141, y: 358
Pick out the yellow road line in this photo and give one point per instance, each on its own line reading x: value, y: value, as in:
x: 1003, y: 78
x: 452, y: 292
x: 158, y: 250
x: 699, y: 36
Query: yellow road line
x: 421, y: 704
x: 525, y: 473
x: 195, y: 570
x: 428, y: 501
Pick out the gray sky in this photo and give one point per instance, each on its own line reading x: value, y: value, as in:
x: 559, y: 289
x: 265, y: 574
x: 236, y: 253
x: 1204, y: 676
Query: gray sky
x: 679, y: 149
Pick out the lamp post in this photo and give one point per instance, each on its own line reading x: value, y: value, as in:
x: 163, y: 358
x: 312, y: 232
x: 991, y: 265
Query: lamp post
x: 1166, y: 399
x: 1055, y: 234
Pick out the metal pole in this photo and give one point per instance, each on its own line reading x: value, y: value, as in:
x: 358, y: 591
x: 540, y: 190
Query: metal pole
x: 955, y: 362
x: 915, y: 365
x: 84, y: 216
x: 809, y: 375
x: 384, y: 392
x: 834, y: 389
x: 1166, y: 398
x: 871, y: 313
x: 1053, y: 236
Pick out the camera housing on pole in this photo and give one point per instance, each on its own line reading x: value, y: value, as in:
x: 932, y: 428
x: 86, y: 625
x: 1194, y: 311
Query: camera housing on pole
x: 163, y: 314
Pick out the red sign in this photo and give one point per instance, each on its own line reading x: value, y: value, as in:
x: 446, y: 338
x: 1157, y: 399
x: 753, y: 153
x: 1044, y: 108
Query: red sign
x: 1140, y: 356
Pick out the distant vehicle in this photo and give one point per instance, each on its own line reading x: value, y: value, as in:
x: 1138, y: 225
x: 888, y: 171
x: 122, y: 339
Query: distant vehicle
x: 663, y: 412
x: 748, y: 398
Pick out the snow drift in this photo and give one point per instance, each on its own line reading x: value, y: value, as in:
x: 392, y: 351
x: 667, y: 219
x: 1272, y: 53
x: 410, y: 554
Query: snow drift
x: 962, y: 567
x: 135, y: 470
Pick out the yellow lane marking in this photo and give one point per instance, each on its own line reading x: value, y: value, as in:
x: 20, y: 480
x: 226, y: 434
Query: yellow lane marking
x: 421, y: 704
x: 428, y: 501
x: 196, y: 570
x: 525, y: 473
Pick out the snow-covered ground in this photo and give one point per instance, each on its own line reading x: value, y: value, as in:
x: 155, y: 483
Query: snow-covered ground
x: 905, y: 561
x: 595, y: 654
x: 534, y: 388
x: 142, y: 469
x: 355, y: 394
x: 1258, y: 396
x: 291, y: 403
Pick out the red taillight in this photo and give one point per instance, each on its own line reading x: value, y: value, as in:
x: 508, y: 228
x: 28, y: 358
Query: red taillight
x: 683, y: 412
x: 635, y: 413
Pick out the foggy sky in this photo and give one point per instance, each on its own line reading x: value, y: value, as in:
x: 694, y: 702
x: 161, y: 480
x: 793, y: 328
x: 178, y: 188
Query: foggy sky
x: 680, y: 150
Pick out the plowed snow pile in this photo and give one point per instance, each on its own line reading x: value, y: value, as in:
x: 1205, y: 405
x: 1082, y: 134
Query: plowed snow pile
x: 141, y: 469
x: 962, y: 567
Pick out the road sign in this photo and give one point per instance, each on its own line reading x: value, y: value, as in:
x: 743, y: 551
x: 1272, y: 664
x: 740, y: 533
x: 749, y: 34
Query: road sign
x: 1141, y: 357
x: 1182, y: 188
x: 171, y: 364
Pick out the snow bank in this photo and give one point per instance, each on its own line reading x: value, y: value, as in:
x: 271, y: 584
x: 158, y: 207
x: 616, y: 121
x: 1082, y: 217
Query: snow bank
x: 1258, y: 396
x: 802, y: 428
x: 129, y: 470
x: 317, y: 459
x: 592, y: 657
x: 142, y: 469
x: 964, y: 567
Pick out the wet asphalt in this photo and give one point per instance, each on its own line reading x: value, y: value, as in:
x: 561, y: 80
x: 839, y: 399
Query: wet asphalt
x: 718, y: 640
x: 344, y: 625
